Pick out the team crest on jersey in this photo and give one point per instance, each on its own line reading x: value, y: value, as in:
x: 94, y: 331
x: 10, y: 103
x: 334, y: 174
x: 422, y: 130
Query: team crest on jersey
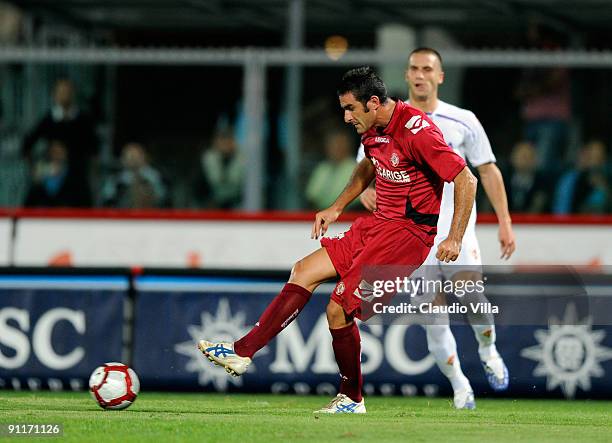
x: 340, y: 288
x: 416, y: 123
x: 394, y: 159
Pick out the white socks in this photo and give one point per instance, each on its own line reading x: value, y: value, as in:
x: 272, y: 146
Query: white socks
x: 441, y: 343
x: 485, y: 335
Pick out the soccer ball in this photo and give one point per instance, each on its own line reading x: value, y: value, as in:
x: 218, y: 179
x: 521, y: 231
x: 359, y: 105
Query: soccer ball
x: 114, y: 386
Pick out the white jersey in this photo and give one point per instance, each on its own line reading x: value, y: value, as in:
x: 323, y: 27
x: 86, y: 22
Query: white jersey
x: 463, y: 132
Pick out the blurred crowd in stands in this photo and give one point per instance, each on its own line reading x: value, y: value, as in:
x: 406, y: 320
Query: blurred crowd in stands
x: 582, y: 188
x: 541, y: 174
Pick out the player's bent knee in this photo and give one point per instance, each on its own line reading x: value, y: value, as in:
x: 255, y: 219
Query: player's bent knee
x: 299, y: 273
x: 331, y: 309
x: 297, y: 268
x: 336, y: 317
x: 312, y: 270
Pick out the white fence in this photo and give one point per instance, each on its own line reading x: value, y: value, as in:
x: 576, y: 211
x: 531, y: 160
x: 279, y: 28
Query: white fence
x: 265, y: 243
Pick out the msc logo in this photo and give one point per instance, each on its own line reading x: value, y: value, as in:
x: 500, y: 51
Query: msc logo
x: 381, y: 139
x: 223, y: 325
x: 569, y: 353
x: 416, y: 123
x: 15, y: 328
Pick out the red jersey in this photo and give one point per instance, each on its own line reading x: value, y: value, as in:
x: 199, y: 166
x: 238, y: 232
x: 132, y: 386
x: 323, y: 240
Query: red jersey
x: 412, y: 162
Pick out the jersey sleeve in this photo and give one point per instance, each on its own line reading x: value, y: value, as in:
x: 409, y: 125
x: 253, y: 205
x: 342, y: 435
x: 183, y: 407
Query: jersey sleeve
x: 360, y: 153
x: 477, y: 146
x: 430, y: 150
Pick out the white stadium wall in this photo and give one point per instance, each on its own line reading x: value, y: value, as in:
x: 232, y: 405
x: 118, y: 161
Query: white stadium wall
x: 5, y: 240
x: 550, y: 244
x: 155, y: 243
x: 267, y: 242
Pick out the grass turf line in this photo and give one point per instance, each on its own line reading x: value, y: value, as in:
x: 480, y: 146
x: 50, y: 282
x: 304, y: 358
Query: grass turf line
x: 264, y: 418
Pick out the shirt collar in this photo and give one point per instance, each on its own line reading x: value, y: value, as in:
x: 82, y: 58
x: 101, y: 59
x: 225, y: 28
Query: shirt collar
x: 395, y: 117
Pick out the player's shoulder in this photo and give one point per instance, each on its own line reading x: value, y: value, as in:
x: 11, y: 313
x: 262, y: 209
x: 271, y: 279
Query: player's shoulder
x: 414, y: 121
x: 407, y: 110
x: 455, y: 113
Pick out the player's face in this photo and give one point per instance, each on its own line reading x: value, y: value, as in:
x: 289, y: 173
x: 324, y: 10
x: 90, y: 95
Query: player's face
x: 423, y: 75
x: 355, y: 113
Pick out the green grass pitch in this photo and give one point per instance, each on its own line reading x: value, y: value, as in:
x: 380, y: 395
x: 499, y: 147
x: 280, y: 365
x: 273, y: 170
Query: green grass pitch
x: 161, y: 417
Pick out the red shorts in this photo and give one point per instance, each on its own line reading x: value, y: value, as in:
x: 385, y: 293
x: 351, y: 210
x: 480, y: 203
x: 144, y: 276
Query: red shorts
x: 366, y: 252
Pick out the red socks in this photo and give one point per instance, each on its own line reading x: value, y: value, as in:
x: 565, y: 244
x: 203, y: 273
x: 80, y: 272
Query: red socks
x: 347, y: 349
x: 280, y: 312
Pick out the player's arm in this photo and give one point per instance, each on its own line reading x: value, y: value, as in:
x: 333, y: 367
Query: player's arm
x: 360, y: 179
x: 479, y: 153
x: 465, y: 192
x: 368, y: 196
x: 493, y: 184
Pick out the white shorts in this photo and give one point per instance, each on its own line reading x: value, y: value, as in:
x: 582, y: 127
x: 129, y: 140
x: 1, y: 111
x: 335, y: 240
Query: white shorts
x: 469, y: 259
x: 436, y: 272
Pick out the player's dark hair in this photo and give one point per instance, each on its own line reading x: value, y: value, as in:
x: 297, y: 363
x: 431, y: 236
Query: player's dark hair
x: 426, y: 50
x: 363, y: 83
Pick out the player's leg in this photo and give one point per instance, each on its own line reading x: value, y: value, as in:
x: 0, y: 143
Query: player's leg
x: 441, y: 344
x: 346, y: 343
x: 306, y: 275
x: 384, y: 243
x: 484, y: 331
x: 482, y: 323
x: 440, y: 340
x: 468, y: 267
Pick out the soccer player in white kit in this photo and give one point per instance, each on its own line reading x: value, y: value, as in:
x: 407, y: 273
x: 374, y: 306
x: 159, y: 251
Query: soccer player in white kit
x: 463, y: 132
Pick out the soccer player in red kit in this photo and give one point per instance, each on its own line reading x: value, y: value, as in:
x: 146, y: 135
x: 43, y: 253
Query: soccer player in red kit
x: 407, y: 155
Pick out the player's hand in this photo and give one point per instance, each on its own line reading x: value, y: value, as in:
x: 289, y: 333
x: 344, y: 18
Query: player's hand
x: 507, y: 241
x: 368, y: 199
x: 448, y: 250
x: 322, y: 221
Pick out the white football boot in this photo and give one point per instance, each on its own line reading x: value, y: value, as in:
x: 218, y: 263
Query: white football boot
x: 464, y: 398
x: 341, y: 404
x: 496, y: 372
x: 222, y: 354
